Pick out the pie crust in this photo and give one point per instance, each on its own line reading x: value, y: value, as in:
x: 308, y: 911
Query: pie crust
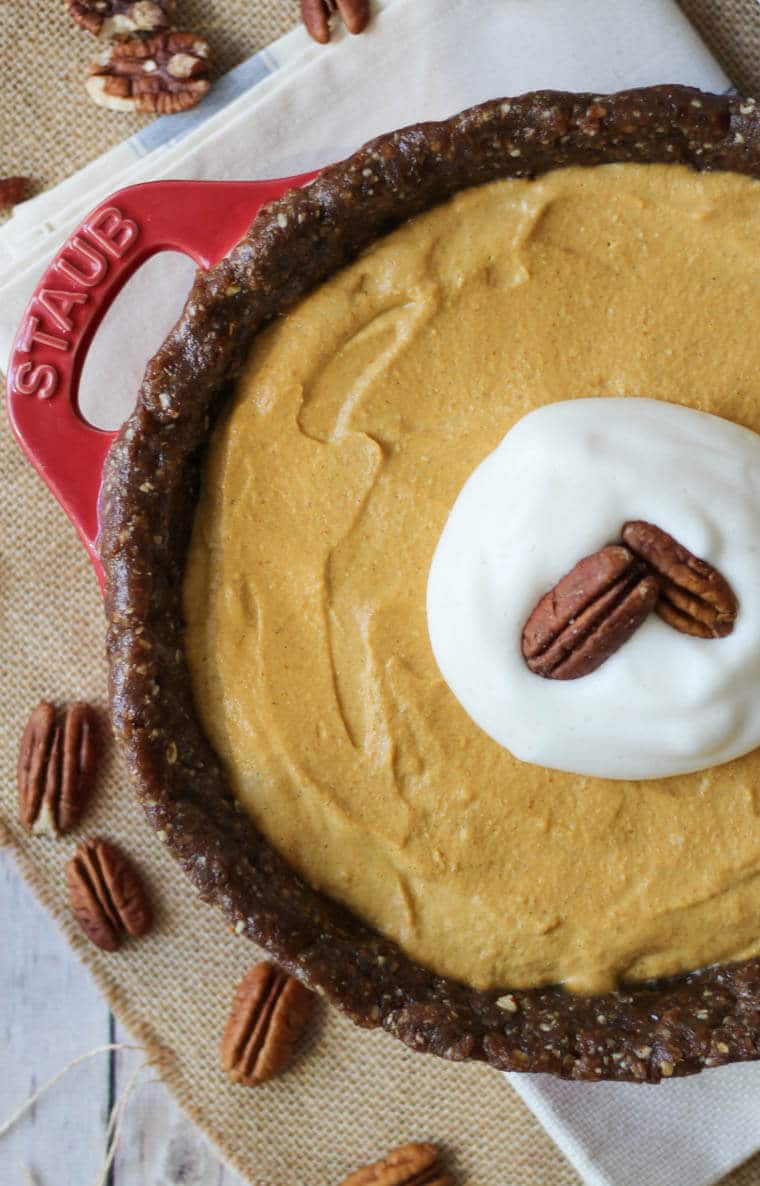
x: 641, y: 1032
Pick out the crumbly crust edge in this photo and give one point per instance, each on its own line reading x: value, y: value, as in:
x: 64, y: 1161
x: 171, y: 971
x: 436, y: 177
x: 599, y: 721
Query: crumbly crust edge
x: 639, y: 1033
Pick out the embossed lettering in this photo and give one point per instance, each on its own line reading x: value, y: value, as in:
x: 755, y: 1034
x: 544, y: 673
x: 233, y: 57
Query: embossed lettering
x: 58, y: 305
x: 41, y: 380
x: 98, y: 264
x: 31, y: 333
x: 112, y: 231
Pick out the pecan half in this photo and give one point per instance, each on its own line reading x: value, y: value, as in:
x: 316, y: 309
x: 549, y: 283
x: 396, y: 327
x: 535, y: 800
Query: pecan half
x: 409, y: 1165
x: 159, y: 73
x: 12, y: 191
x: 694, y: 597
x: 268, y: 1013
x: 106, y: 18
x: 107, y: 894
x: 589, y: 614
x: 316, y: 16
x: 57, y: 766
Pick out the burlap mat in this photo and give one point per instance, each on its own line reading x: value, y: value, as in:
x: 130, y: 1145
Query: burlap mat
x: 350, y: 1094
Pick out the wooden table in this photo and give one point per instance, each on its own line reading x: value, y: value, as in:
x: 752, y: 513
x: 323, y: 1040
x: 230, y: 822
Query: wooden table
x: 51, y: 1013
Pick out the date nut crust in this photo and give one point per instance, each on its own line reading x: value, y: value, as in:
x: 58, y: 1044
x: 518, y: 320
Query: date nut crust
x: 639, y: 1033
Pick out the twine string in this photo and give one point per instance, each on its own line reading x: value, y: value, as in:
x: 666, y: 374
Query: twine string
x: 115, y: 1122
x: 13, y: 1119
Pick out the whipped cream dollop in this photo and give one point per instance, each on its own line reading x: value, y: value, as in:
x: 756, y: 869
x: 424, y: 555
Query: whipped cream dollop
x: 560, y: 486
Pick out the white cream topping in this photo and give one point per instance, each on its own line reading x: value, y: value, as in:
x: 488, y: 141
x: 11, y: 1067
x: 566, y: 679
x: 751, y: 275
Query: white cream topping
x: 560, y: 486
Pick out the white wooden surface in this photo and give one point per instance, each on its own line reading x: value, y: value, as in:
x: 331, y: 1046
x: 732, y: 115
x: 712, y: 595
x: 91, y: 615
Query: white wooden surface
x: 51, y: 1012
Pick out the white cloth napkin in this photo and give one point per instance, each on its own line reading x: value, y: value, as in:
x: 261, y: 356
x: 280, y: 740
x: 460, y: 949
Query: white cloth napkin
x: 296, y: 106
x: 683, y: 1132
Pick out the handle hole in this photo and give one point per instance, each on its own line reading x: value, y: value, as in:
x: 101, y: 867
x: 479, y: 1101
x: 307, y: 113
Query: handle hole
x: 129, y: 335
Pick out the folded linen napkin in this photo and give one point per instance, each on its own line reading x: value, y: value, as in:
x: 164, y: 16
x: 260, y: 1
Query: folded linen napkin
x: 297, y: 106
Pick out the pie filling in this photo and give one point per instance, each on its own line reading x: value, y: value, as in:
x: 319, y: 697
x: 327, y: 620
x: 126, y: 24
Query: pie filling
x: 356, y: 424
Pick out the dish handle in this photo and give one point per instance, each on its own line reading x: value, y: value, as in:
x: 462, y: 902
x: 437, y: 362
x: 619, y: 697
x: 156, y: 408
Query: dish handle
x: 203, y: 219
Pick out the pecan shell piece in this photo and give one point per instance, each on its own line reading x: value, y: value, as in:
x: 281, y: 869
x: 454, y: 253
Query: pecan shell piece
x: 316, y: 16
x: 57, y: 767
x: 694, y: 597
x: 106, y: 18
x: 589, y: 614
x: 12, y: 191
x: 268, y: 1013
x: 415, y: 1164
x: 158, y: 74
x: 107, y: 894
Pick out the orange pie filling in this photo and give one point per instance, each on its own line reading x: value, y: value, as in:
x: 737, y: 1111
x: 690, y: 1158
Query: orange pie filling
x: 357, y: 421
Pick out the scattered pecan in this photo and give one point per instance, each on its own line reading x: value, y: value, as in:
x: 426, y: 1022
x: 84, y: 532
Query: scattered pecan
x: 33, y: 757
x: 409, y: 1165
x: 57, y: 765
x: 694, y: 597
x: 268, y: 1012
x: 589, y: 614
x: 105, y: 18
x: 316, y: 16
x: 159, y: 73
x: 107, y: 894
x: 12, y: 191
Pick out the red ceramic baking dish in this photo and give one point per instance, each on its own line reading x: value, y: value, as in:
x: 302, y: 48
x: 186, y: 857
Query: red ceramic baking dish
x: 641, y: 1032
x: 203, y: 219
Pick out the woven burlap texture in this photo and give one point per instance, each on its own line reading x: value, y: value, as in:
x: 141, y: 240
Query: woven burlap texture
x: 350, y: 1094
